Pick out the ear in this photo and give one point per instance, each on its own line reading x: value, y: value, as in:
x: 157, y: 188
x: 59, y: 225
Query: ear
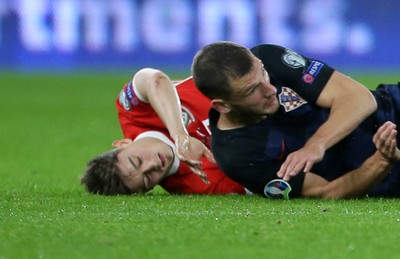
x: 220, y: 105
x: 121, y: 143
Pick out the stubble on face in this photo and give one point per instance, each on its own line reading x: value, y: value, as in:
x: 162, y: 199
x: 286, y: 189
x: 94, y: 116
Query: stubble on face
x: 254, y: 97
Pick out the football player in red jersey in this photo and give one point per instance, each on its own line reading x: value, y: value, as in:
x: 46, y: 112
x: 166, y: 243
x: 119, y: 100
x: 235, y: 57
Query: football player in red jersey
x: 166, y: 142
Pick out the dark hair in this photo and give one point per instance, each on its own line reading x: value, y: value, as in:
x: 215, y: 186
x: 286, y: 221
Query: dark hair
x: 217, y: 64
x: 102, y: 175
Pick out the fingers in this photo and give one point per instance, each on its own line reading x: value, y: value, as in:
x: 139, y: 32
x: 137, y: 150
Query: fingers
x: 384, y: 132
x: 393, y: 147
x: 308, y: 167
x: 121, y: 143
x: 200, y: 173
x: 388, y: 148
x: 282, y: 171
x: 286, y: 167
x: 384, y: 135
x: 210, y: 157
x: 385, y: 140
x: 191, y: 150
x: 291, y: 168
x: 206, y: 153
x: 300, y: 161
x: 190, y: 162
x: 187, y: 155
x: 286, y: 170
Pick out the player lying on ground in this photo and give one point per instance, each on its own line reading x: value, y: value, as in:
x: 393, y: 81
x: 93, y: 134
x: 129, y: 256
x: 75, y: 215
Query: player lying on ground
x: 144, y: 157
x: 169, y: 126
x: 277, y: 113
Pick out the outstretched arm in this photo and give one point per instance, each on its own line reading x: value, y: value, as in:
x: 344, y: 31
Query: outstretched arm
x: 349, y: 103
x: 156, y: 88
x: 359, y: 181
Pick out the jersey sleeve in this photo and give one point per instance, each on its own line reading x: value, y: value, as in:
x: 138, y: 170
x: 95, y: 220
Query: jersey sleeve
x: 285, y: 67
x: 136, y: 116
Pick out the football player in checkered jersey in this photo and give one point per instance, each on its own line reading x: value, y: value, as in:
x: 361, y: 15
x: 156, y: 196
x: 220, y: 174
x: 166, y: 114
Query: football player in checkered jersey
x: 166, y: 142
x: 282, y: 122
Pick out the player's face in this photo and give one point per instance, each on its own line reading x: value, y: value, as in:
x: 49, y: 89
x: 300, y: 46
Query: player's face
x: 144, y: 163
x: 253, y: 93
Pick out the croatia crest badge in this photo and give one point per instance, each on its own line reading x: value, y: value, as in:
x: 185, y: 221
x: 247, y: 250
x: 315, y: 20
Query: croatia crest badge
x: 290, y: 100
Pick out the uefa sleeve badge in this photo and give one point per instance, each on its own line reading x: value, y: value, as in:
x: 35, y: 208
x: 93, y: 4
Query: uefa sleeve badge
x: 124, y: 101
x: 277, y: 189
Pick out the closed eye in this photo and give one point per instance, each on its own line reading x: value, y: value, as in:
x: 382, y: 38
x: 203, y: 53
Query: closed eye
x: 132, y: 163
x: 251, y: 90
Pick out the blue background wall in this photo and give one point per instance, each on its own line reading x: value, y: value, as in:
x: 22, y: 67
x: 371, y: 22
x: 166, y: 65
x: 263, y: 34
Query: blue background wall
x: 69, y: 35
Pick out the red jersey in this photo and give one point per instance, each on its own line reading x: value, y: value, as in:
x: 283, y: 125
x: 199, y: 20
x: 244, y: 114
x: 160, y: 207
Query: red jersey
x: 137, y: 117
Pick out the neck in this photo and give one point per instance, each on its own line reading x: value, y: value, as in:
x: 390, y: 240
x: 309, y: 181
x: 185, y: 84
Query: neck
x: 228, y: 121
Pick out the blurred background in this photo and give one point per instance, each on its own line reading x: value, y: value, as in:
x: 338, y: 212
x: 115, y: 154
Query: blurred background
x: 115, y: 35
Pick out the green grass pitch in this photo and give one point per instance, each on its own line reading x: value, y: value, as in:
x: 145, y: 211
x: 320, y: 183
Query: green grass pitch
x: 51, y: 125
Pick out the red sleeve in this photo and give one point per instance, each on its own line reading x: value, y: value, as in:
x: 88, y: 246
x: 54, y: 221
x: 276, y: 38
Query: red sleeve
x: 136, y: 116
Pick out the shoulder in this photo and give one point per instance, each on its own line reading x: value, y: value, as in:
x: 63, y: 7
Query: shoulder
x: 188, y: 87
x: 275, y: 55
x: 129, y: 100
x: 268, y: 49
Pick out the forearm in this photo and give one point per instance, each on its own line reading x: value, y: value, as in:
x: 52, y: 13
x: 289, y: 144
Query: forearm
x: 156, y: 88
x: 343, y: 119
x: 349, y: 102
x: 164, y: 99
x: 354, y: 183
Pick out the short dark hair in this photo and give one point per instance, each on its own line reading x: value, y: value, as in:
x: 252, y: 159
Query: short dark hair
x: 102, y: 175
x: 216, y: 64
